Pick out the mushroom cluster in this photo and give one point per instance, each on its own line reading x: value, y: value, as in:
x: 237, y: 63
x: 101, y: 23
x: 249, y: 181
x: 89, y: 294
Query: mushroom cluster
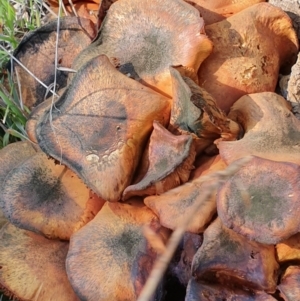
x: 164, y: 95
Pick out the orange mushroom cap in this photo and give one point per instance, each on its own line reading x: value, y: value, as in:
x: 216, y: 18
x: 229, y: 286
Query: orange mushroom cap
x: 289, y: 249
x: 229, y: 258
x: 171, y: 160
x: 271, y: 130
x: 36, y: 52
x: 110, y: 259
x: 261, y: 201
x: 144, y: 34
x: 33, y: 267
x: 289, y: 284
x: 101, y: 126
x: 47, y: 198
x: 195, y: 111
x: 172, y: 206
x: 217, y: 10
x: 249, y: 49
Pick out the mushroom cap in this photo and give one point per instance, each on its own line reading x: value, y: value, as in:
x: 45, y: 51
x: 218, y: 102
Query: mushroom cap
x: 181, y: 269
x: 171, y: 160
x: 33, y: 267
x: 36, y: 52
x: 13, y: 155
x: 109, y: 258
x: 194, y: 110
x: 289, y: 249
x: 144, y: 34
x: 261, y: 201
x: 102, y: 124
x: 3, y: 219
x: 289, y: 284
x: 47, y: 198
x: 216, y: 292
x: 229, y: 258
x: 249, y: 49
x: 271, y: 130
x: 217, y: 10
x: 172, y: 206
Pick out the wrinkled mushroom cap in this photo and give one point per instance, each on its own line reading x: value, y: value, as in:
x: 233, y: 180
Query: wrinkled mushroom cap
x: 271, y: 130
x: 249, y: 49
x: 171, y: 160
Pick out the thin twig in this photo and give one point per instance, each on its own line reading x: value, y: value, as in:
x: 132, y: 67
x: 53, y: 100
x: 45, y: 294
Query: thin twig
x: 73, y: 8
x: 55, y: 77
x: 20, y: 90
x: 161, y: 264
x: 49, y: 9
x: 26, y: 69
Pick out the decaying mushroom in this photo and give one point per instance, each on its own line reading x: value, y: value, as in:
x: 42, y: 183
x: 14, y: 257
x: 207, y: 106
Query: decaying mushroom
x: 152, y: 48
x: 290, y: 284
x: 249, y: 49
x: 271, y: 130
x: 109, y: 258
x: 182, y: 268
x: 37, y: 53
x: 230, y: 259
x: 47, y: 198
x: 130, y: 123
x: 33, y: 267
x: 261, y: 201
x: 217, y: 292
x: 195, y: 112
x: 102, y: 128
x: 171, y: 160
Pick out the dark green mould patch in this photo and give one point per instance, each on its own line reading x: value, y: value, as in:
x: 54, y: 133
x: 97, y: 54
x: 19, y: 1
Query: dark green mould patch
x: 43, y: 187
x: 265, y: 206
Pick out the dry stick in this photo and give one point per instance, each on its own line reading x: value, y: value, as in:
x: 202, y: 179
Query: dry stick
x: 55, y: 76
x: 162, y: 262
x: 73, y: 8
